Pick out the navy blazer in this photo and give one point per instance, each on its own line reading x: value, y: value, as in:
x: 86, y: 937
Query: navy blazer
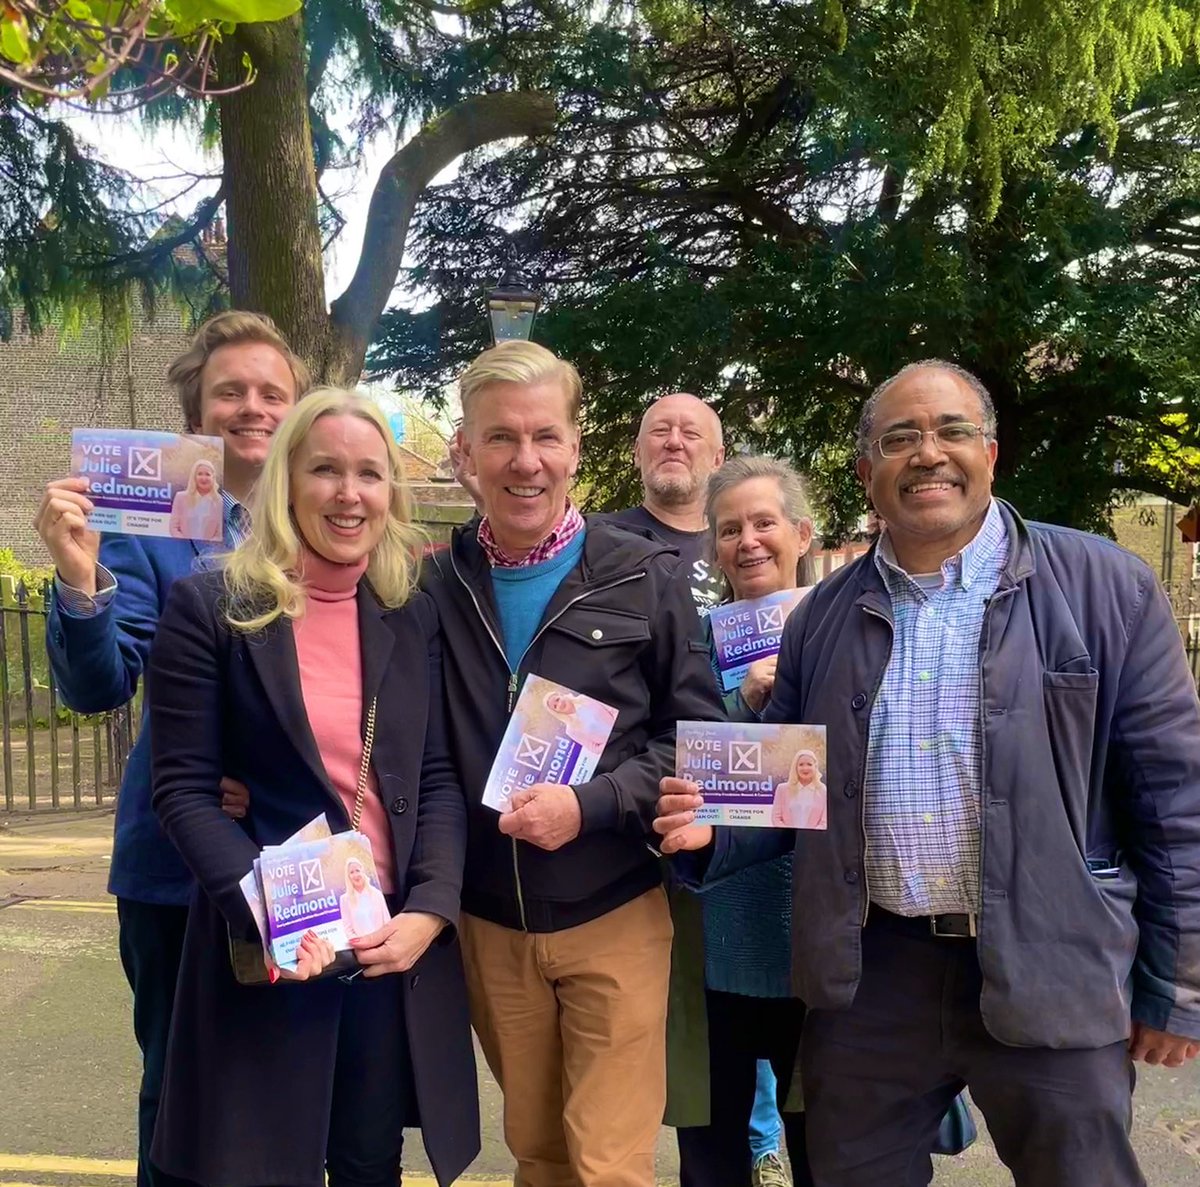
x: 97, y: 663
x: 222, y: 702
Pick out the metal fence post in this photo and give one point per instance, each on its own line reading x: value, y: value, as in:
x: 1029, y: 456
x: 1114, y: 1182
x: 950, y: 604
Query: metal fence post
x: 6, y: 596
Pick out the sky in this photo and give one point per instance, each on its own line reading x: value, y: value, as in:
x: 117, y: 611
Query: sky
x: 159, y: 155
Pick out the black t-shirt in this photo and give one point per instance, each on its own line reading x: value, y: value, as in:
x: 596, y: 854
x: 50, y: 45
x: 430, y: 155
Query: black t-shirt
x: 704, y: 578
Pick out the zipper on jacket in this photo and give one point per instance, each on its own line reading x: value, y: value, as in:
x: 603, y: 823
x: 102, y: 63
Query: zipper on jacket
x: 987, y: 626
x: 862, y: 775
x: 513, y: 677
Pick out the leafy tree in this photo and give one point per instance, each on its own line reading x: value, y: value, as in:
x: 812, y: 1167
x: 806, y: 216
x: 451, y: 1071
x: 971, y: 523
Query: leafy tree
x: 72, y: 49
x: 735, y: 205
x: 82, y: 244
x: 725, y: 173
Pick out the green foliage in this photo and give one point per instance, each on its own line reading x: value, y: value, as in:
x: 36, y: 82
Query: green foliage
x: 34, y: 576
x: 753, y: 217
x: 72, y: 48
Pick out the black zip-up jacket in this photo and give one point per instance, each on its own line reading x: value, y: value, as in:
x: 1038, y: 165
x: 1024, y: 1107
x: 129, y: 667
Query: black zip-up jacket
x: 620, y: 628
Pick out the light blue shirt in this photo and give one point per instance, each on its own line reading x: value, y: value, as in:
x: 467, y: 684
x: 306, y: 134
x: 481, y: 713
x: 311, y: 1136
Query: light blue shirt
x: 925, y: 747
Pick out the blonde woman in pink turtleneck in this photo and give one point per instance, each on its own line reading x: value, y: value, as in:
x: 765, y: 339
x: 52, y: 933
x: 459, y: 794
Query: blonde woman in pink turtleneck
x: 266, y: 671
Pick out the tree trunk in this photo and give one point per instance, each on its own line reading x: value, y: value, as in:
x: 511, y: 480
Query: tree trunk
x: 275, y: 260
x: 471, y: 123
x: 275, y: 263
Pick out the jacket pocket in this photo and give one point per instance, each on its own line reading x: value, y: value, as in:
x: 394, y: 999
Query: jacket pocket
x: 1069, y: 700
x: 604, y: 626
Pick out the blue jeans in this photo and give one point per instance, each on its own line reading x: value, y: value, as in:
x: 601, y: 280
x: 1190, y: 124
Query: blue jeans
x: 765, y: 1125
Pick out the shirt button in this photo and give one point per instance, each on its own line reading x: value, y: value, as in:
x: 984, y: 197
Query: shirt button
x: 926, y: 676
x: 597, y: 633
x: 399, y: 805
x: 860, y: 699
x: 928, y: 817
x: 941, y: 882
x: 851, y: 876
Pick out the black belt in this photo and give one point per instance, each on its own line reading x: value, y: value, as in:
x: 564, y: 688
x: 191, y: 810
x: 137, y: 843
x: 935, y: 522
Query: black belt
x: 963, y: 925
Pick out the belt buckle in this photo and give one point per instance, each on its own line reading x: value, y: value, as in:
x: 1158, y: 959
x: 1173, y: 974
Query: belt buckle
x: 949, y: 926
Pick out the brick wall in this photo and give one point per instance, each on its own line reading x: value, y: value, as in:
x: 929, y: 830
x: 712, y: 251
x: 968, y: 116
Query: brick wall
x: 48, y: 387
x: 1148, y: 528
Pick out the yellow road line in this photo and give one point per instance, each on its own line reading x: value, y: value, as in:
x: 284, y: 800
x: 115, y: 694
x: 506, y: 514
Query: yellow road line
x: 110, y: 903
x: 53, y: 910
x: 62, y: 1164
x: 65, y: 904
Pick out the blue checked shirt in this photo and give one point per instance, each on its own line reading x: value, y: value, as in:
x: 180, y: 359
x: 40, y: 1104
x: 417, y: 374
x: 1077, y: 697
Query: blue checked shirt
x: 77, y: 604
x: 924, y: 750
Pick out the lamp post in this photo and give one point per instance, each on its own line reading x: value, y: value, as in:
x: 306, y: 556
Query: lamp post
x: 512, y: 306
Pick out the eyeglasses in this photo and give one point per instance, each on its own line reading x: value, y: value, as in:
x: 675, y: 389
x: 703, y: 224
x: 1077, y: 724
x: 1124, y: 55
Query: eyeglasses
x: 905, y: 442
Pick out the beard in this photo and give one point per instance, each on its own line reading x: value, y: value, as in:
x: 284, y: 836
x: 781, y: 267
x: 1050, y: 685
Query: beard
x: 673, y: 490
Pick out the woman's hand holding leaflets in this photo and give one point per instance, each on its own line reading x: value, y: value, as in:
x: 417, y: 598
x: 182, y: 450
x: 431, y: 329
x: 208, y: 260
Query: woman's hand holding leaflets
x: 398, y: 944
x: 313, y: 957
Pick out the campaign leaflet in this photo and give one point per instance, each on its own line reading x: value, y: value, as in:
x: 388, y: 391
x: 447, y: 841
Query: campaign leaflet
x: 251, y: 884
x: 555, y: 735
x: 152, y: 484
x: 751, y: 630
x: 763, y: 776
x: 328, y: 886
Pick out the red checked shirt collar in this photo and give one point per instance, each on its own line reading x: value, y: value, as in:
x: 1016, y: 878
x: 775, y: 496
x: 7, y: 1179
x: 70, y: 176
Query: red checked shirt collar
x: 560, y: 536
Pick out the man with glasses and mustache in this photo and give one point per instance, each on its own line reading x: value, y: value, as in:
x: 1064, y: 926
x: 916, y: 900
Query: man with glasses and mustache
x: 1007, y: 896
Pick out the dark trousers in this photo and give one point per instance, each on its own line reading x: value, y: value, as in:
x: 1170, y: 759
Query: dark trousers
x: 741, y: 1031
x: 374, y: 1096
x: 151, y: 942
x: 879, y: 1076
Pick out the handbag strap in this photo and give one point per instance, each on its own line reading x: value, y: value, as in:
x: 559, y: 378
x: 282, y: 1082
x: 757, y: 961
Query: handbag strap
x: 365, y: 769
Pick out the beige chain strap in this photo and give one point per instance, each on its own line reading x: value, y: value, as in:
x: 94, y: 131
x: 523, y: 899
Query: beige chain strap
x: 364, y: 770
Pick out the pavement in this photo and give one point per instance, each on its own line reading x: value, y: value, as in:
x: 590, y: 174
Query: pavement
x: 69, y: 1065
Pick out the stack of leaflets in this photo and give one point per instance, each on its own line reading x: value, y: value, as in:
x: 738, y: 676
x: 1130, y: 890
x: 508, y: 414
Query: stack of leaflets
x: 765, y: 776
x: 555, y: 735
x: 751, y: 630
x: 319, y: 881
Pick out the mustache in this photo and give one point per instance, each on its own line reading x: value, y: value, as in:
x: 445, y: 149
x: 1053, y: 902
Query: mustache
x: 932, y: 476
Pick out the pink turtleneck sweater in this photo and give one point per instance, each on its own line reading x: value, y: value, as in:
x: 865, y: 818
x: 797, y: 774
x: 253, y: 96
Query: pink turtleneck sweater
x: 330, y: 656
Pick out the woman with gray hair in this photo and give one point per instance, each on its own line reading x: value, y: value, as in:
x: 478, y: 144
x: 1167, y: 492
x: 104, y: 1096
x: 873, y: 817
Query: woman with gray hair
x: 731, y: 1002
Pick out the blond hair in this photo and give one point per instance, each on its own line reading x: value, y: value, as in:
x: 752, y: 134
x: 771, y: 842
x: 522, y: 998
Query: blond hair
x: 191, y: 482
x: 261, y: 576
x: 230, y: 328
x: 519, y: 362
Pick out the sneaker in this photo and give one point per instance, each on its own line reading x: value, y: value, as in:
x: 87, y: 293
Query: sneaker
x: 769, y: 1171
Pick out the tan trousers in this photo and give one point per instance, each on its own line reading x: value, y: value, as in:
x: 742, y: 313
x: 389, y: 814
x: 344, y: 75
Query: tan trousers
x: 573, y: 1025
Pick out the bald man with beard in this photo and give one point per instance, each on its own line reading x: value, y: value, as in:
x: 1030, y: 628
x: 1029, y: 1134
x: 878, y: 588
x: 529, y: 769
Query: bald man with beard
x: 679, y: 444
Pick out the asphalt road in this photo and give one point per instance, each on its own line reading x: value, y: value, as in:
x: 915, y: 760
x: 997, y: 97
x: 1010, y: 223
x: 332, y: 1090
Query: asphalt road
x: 68, y: 1063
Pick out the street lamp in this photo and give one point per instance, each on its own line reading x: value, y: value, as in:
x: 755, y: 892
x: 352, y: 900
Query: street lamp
x: 512, y: 306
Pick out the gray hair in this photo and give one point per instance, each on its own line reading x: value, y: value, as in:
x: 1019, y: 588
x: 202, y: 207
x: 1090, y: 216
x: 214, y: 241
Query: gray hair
x: 866, y: 418
x: 793, y: 498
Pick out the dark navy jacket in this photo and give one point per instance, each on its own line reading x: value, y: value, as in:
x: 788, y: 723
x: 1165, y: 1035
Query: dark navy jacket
x: 224, y: 702
x: 97, y: 663
x: 1091, y: 739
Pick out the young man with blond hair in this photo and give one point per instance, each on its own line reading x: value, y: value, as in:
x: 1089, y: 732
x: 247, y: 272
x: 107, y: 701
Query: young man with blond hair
x: 565, y: 927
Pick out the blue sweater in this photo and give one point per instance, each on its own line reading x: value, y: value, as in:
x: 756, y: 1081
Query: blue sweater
x: 522, y: 595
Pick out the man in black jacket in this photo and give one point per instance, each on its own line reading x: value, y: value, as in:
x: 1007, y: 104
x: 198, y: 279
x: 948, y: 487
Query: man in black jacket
x: 565, y: 927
